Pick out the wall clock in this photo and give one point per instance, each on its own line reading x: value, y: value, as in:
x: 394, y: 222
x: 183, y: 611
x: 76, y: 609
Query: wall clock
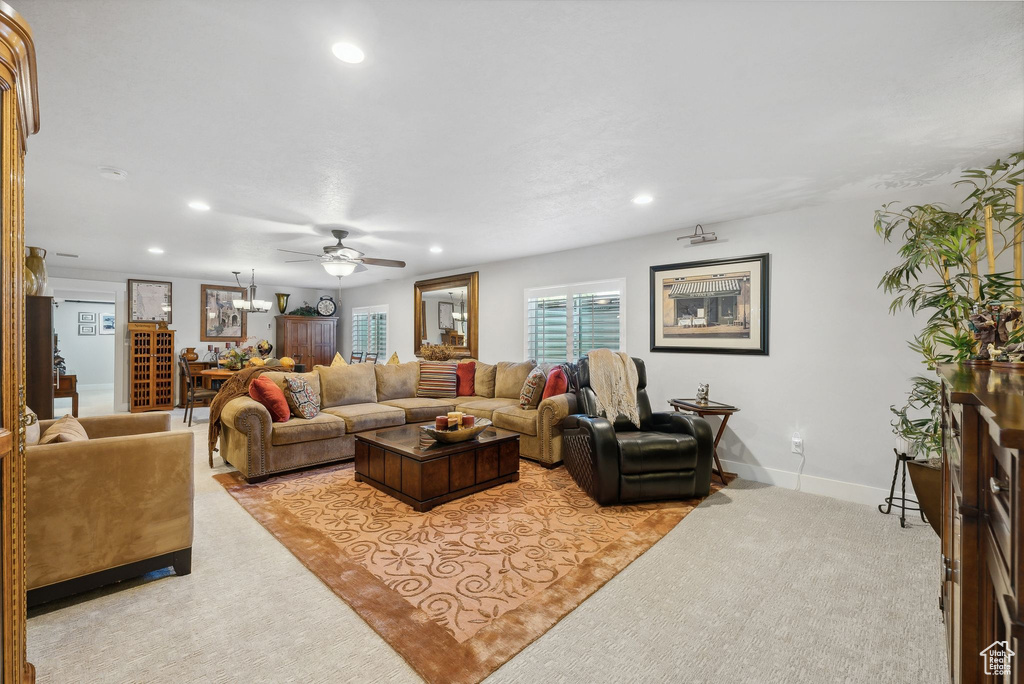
x: 326, y: 306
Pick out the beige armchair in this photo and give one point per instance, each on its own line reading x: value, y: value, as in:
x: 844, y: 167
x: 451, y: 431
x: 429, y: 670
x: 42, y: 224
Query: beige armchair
x: 116, y: 506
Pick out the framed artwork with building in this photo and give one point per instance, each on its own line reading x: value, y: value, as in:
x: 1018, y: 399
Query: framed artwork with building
x: 718, y: 306
x: 221, y: 320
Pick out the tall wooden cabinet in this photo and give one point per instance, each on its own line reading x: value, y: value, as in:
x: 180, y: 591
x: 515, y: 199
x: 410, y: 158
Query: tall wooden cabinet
x: 310, y: 340
x: 19, y: 118
x: 982, y: 559
x: 39, y: 378
x: 151, y: 362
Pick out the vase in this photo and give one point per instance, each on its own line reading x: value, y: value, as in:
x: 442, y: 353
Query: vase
x: 35, y: 262
x: 190, y: 354
x: 282, y: 301
x: 29, y: 282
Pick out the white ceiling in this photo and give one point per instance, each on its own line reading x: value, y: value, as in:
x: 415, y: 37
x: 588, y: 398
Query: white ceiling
x: 495, y: 129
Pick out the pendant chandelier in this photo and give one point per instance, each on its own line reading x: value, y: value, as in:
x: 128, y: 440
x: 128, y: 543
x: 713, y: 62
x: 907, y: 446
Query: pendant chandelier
x: 250, y: 305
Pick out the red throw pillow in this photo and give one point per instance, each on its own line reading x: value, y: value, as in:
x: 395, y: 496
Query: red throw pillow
x: 465, y: 376
x: 557, y: 384
x: 263, y: 390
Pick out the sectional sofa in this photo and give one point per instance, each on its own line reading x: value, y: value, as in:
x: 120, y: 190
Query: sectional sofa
x: 364, y: 396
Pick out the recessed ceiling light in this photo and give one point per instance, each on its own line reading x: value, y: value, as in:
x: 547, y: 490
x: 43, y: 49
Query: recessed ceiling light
x: 155, y: 250
x: 112, y: 173
x: 436, y: 250
x: 643, y: 199
x: 348, y: 53
x: 199, y: 205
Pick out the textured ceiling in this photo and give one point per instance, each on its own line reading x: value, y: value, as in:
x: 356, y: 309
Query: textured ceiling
x: 495, y: 129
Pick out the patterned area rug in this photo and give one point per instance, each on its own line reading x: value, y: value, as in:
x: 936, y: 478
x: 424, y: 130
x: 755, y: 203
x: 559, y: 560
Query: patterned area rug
x: 459, y: 590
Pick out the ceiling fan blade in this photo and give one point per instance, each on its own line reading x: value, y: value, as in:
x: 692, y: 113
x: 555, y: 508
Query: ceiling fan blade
x: 292, y: 251
x: 394, y: 263
x: 300, y: 261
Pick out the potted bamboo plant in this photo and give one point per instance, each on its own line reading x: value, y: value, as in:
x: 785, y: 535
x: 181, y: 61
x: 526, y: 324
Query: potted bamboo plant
x: 940, y: 280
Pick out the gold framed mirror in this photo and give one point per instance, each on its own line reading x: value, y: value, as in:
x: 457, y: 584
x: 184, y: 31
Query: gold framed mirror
x: 446, y: 311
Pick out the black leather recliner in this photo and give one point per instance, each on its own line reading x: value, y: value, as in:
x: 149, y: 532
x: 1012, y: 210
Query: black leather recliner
x: 668, y: 457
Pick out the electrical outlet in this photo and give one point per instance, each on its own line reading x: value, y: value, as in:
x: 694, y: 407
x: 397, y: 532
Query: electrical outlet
x: 798, y: 443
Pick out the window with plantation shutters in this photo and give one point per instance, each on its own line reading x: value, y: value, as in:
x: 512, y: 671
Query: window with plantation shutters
x: 370, y: 330
x: 564, y: 323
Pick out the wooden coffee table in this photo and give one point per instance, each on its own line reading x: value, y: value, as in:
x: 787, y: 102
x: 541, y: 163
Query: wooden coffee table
x: 409, y: 465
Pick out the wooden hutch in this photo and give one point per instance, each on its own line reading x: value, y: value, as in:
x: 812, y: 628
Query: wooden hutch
x: 309, y: 340
x: 151, y: 363
x: 982, y: 595
x: 19, y: 114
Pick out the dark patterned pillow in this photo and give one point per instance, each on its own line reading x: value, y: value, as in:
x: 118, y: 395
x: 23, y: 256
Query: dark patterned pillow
x: 533, y: 388
x: 303, y: 400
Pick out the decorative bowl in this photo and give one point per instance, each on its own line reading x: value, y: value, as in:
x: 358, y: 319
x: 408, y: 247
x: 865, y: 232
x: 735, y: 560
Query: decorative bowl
x: 456, y: 436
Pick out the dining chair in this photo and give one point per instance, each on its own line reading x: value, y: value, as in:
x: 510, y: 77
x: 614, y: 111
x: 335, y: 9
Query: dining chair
x: 371, y: 357
x: 356, y: 357
x: 193, y: 392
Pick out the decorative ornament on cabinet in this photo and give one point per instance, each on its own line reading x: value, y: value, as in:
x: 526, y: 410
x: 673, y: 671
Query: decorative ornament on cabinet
x: 35, y: 262
x: 282, y: 301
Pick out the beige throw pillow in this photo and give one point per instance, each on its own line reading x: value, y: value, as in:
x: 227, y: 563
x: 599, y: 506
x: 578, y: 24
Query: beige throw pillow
x: 31, y: 427
x: 483, y: 380
x: 510, y: 377
x: 67, y: 429
x: 338, y: 360
x: 349, y: 384
x: 393, y: 361
x: 396, y: 380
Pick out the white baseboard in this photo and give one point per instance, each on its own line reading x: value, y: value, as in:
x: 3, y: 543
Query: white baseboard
x: 810, y: 484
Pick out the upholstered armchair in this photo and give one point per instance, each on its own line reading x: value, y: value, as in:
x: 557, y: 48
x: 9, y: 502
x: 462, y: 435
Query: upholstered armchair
x: 668, y: 457
x: 116, y: 506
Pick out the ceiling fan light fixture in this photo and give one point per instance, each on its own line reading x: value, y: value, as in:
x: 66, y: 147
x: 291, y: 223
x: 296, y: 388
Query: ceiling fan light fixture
x: 339, y: 269
x: 348, y: 53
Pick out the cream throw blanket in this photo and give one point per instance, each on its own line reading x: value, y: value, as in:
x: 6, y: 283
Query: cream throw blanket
x: 613, y: 379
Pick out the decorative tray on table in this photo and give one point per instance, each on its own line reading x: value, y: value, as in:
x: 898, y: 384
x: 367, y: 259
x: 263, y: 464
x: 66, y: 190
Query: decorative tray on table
x: 460, y: 435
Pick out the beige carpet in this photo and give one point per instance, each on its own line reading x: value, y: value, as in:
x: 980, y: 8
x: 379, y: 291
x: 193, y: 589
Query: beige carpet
x: 758, y: 584
x: 462, y: 588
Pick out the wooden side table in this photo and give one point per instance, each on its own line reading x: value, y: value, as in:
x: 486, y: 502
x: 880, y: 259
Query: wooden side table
x: 712, y: 408
x: 67, y: 386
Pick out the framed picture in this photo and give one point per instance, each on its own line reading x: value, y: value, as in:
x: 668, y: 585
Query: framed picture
x: 87, y: 329
x: 86, y: 317
x: 719, y: 306
x: 221, y: 321
x: 445, y: 319
x: 149, y: 301
x: 107, y: 324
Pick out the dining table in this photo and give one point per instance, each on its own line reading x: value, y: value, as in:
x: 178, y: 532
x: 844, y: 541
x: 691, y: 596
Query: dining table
x: 214, y: 377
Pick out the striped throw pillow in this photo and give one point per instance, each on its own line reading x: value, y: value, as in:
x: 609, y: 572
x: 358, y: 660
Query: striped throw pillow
x: 437, y: 380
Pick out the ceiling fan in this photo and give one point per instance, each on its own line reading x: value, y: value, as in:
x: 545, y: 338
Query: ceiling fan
x: 339, y: 260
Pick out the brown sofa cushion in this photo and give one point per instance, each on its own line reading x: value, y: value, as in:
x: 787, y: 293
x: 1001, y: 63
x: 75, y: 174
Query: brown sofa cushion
x: 509, y: 378
x: 482, y: 408
x: 345, y: 385
x: 359, y: 417
x: 516, y: 418
x: 396, y: 380
x: 483, y: 383
x: 67, y: 429
x: 312, y: 377
x: 297, y: 430
x: 419, y: 409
